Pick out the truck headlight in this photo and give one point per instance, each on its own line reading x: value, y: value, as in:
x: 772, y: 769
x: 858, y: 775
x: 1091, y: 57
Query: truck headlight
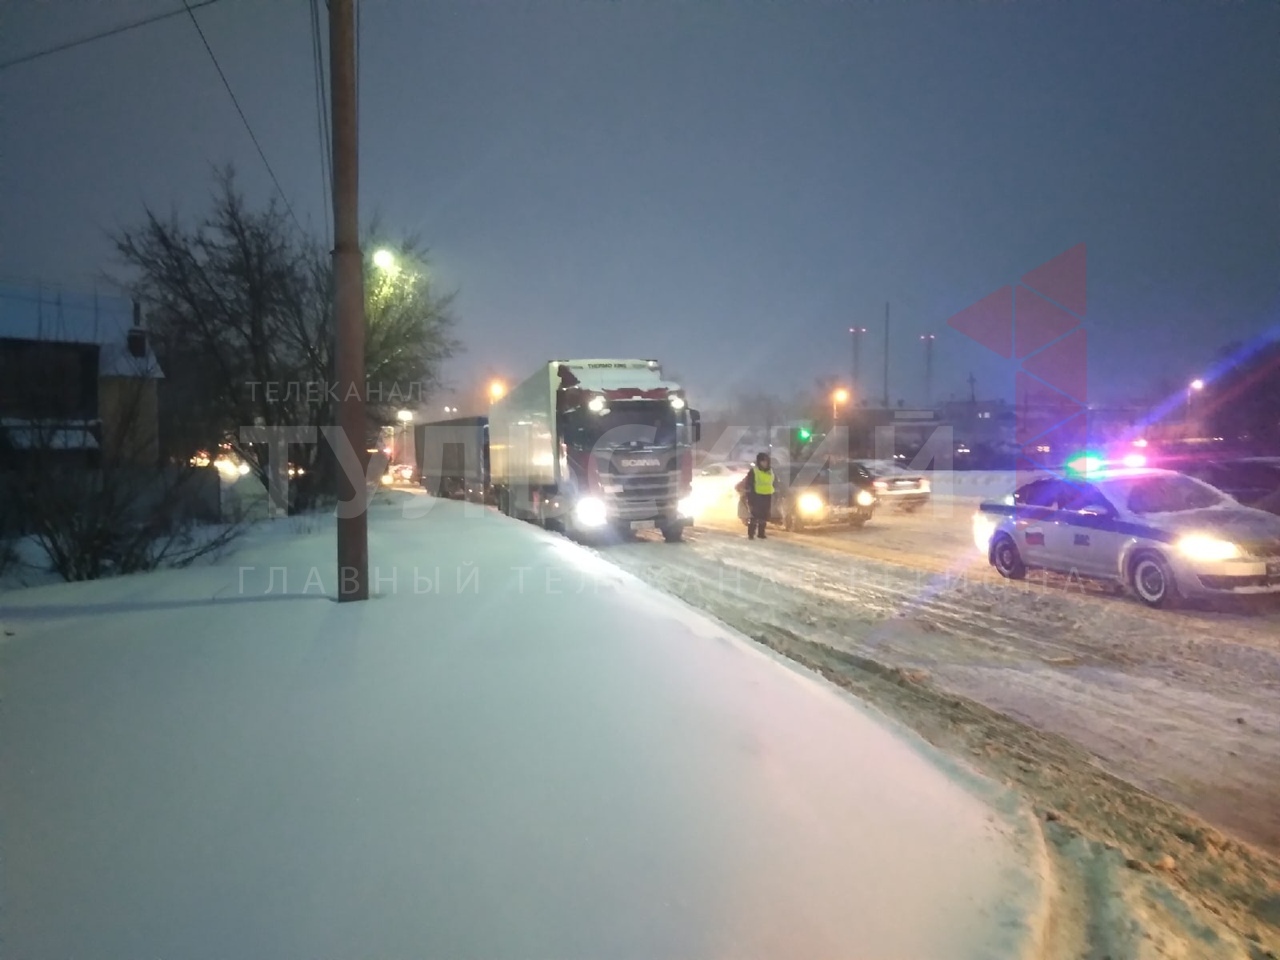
x: 1198, y: 547
x: 590, y: 512
x: 925, y: 486
x: 810, y: 503
x: 688, y: 507
x: 865, y: 498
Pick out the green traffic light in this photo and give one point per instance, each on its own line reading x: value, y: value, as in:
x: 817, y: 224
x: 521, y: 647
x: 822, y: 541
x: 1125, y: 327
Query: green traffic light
x: 804, y: 434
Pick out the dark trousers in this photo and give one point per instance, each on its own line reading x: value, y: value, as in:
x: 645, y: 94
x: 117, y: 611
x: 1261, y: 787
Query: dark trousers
x: 760, y: 506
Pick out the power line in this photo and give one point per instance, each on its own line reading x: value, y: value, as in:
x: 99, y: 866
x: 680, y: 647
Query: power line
x: 243, y: 118
x: 27, y: 58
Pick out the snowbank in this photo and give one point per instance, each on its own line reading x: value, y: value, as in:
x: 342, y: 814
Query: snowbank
x: 515, y: 750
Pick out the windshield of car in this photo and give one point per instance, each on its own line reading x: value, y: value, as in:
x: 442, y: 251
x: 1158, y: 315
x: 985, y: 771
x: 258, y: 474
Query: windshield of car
x: 1173, y: 493
x: 627, y: 423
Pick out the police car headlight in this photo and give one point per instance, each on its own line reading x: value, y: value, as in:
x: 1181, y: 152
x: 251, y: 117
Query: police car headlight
x: 1196, y: 547
x: 865, y: 498
x: 983, y: 529
x: 810, y: 503
x: 590, y: 512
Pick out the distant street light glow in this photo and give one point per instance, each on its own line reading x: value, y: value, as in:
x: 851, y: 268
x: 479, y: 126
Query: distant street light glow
x: 384, y: 260
x: 497, y: 390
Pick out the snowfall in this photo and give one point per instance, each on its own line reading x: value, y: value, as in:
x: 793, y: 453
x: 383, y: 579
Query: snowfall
x: 513, y: 749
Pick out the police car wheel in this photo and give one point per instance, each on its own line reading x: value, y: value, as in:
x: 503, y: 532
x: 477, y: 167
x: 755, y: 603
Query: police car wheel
x: 1153, y: 582
x: 1006, y: 559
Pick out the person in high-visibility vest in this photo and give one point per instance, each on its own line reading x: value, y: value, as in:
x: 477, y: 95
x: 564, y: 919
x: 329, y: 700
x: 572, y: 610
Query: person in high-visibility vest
x: 758, y: 486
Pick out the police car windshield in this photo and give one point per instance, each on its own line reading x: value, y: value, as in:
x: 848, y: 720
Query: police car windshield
x: 1172, y: 493
x: 640, y: 423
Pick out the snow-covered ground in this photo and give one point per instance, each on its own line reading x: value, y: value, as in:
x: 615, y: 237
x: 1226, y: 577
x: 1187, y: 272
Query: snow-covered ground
x: 1183, y: 703
x: 515, y: 750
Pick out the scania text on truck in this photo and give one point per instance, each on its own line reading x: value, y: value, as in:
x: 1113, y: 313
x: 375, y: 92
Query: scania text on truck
x: 584, y: 445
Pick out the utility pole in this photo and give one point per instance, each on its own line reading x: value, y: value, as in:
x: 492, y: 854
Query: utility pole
x: 348, y: 305
x: 886, y: 355
x: 928, y: 339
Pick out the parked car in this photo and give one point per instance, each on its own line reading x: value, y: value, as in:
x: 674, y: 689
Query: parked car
x: 898, y: 487
x: 1162, y: 534
x: 829, y: 497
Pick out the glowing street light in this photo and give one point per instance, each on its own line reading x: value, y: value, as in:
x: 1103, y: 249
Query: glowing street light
x: 841, y: 395
x: 497, y: 390
x: 1194, y: 387
x: 406, y: 418
x: 384, y: 260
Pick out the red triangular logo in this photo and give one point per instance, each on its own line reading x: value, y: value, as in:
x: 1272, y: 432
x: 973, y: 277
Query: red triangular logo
x: 1062, y: 279
x: 1064, y: 365
x: 989, y: 321
x: 1038, y: 322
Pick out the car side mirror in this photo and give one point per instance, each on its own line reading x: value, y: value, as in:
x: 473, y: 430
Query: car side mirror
x: 695, y: 420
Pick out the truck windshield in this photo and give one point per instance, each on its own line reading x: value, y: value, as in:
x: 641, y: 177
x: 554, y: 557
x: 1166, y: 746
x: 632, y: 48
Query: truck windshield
x: 648, y: 423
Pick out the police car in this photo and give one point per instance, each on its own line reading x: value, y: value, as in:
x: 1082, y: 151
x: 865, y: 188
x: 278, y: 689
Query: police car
x: 1162, y: 534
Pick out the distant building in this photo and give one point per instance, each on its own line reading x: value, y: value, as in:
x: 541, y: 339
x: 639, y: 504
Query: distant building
x: 78, y: 377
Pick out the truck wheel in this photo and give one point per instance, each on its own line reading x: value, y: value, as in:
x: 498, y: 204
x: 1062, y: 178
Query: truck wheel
x: 673, y: 533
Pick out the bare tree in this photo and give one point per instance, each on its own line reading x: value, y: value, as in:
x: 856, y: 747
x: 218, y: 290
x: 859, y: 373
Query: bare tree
x: 240, y: 307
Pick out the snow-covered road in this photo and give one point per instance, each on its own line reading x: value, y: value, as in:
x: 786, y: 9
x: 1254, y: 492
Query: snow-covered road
x: 516, y: 750
x: 1185, y: 704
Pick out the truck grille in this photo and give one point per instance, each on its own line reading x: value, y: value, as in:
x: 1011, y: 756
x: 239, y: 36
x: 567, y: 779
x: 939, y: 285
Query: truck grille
x: 640, y: 496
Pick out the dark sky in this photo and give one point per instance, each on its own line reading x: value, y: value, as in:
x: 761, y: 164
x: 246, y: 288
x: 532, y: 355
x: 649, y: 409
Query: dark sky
x: 725, y: 186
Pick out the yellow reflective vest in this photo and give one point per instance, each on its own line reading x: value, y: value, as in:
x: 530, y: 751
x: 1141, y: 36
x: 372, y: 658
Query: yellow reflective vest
x: 762, y: 480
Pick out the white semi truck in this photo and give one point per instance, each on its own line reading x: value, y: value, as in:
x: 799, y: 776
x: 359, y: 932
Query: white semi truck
x: 583, y: 445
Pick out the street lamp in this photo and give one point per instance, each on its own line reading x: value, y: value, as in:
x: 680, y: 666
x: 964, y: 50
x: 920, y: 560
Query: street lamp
x: 1194, y: 387
x: 405, y: 417
x: 856, y: 334
x: 384, y: 260
x: 497, y: 390
x: 841, y: 395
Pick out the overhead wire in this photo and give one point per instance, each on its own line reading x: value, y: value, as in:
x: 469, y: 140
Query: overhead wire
x: 243, y: 119
x: 103, y: 35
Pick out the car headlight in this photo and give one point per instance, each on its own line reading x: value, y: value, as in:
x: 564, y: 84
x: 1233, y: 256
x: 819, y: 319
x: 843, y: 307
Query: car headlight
x: 688, y: 507
x: 590, y: 512
x: 810, y: 503
x: 983, y: 529
x: 925, y: 487
x: 865, y: 498
x: 1198, y: 547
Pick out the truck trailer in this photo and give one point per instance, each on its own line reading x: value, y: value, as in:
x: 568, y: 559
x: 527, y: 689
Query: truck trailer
x: 586, y: 445
x: 453, y: 458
